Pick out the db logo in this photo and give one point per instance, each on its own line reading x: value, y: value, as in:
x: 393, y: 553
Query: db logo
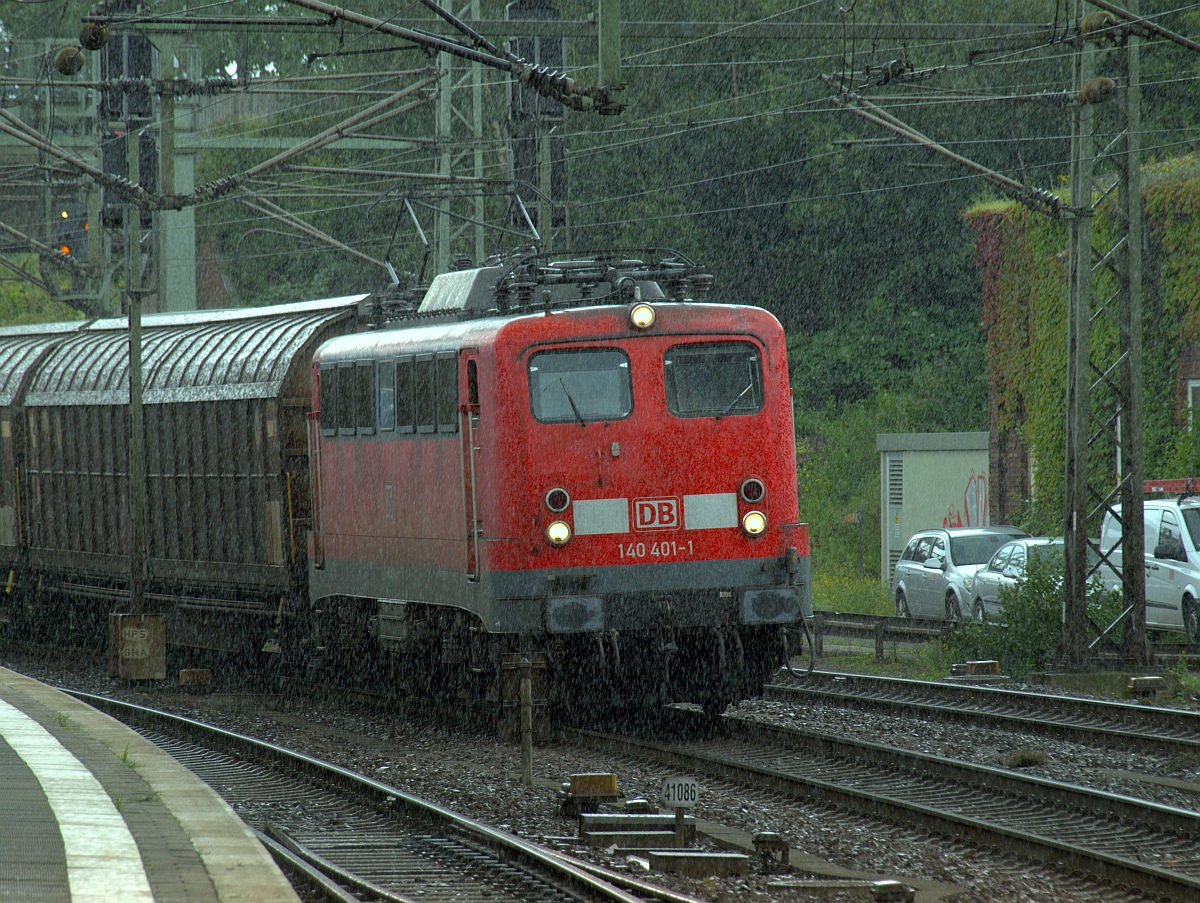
x: 655, y: 514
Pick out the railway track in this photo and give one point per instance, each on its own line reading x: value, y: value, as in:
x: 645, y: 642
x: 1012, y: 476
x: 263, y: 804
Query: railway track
x: 1144, y: 728
x: 1134, y: 844
x: 356, y: 838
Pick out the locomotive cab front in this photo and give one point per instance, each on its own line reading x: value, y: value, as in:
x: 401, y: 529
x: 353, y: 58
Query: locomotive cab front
x: 649, y: 493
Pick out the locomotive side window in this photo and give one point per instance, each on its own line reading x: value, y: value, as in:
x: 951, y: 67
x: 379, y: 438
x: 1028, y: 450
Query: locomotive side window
x: 364, y: 384
x: 423, y: 397
x: 472, y: 382
x: 713, y: 379
x: 387, y: 395
x: 580, y: 384
x: 345, y: 405
x: 328, y: 388
x: 405, y: 412
x: 447, y: 393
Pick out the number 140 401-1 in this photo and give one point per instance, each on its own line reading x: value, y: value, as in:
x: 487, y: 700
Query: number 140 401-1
x: 664, y: 549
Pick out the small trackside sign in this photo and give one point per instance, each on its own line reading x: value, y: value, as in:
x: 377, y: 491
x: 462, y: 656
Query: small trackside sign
x: 679, y: 793
x: 656, y: 514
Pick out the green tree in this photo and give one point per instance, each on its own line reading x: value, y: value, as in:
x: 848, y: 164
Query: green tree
x: 23, y: 303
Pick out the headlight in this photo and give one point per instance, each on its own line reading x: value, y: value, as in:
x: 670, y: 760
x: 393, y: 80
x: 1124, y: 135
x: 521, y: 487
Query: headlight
x: 558, y: 533
x: 754, y: 522
x: 642, y: 316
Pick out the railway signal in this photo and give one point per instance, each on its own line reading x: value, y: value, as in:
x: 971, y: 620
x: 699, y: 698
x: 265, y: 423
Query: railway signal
x: 72, y: 230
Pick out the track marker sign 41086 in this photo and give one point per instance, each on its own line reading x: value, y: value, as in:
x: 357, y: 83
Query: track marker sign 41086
x: 679, y: 793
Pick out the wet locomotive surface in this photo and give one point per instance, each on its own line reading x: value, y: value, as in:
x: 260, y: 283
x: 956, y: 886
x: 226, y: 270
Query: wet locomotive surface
x: 469, y: 771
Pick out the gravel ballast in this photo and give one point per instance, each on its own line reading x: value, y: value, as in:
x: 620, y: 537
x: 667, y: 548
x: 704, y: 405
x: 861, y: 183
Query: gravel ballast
x: 471, y: 772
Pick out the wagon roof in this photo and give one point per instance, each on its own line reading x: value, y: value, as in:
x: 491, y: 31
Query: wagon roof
x: 21, y: 347
x: 194, y: 356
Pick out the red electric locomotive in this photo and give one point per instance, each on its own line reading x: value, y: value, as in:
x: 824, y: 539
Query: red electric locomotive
x: 562, y: 459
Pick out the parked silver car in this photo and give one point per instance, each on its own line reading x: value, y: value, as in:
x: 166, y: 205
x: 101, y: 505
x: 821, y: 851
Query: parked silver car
x: 931, y: 576
x: 1005, y: 568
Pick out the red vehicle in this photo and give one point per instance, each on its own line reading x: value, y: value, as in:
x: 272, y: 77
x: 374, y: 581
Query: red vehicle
x: 561, y: 460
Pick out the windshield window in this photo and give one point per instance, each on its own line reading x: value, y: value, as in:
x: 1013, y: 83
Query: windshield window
x: 580, y: 384
x: 975, y: 549
x: 1191, y: 519
x: 713, y: 379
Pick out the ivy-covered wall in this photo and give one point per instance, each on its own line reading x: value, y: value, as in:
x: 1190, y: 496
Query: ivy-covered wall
x: 1022, y: 258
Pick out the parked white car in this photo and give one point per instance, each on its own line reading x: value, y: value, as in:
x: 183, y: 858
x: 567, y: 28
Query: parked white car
x: 1172, y: 564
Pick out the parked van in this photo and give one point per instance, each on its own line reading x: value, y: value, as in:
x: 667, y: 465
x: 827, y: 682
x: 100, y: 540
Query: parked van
x: 1172, y: 564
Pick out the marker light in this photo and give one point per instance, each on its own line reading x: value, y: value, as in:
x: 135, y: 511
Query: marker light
x: 754, y: 522
x: 558, y: 533
x: 753, y: 490
x: 557, y: 500
x: 642, y: 316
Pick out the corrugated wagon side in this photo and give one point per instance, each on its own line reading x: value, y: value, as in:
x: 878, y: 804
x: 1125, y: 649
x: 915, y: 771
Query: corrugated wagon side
x: 225, y: 396
x: 21, y: 349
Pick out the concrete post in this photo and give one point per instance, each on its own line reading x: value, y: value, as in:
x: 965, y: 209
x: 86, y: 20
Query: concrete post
x: 526, y: 726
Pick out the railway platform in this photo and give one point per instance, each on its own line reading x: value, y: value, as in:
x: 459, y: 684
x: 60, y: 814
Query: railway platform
x: 92, y: 811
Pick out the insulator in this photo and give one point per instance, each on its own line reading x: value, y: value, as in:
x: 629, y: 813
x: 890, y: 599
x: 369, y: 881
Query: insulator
x: 702, y: 283
x: 68, y: 60
x: 524, y: 292
x: 93, y: 35
x: 216, y: 84
x: 1096, y: 22
x: 1098, y: 90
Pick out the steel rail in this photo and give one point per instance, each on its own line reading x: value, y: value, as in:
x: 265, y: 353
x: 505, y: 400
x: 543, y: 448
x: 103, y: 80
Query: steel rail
x: 317, y: 879
x: 1184, y: 822
x: 1161, y: 716
x: 1129, y: 726
x: 1098, y: 833
x: 382, y: 797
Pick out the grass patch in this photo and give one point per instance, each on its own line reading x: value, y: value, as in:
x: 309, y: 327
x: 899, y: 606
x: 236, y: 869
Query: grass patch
x: 927, y: 662
x: 1024, y: 758
x: 126, y: 759
x: 851, y: 595
x: 1189, y: 681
